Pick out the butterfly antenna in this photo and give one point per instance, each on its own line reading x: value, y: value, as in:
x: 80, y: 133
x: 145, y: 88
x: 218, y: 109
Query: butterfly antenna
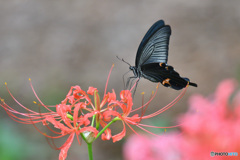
x: 123, y: 60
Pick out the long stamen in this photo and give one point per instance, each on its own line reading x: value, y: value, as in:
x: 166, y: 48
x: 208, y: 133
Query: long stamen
x: 145, y: 125
x: 167, y: 106
x: 18, y: 102
x: 131, y: 128
x: 108, y: 79
x: 147, y: 131
x: 150, y: 100
x: 38, y: 97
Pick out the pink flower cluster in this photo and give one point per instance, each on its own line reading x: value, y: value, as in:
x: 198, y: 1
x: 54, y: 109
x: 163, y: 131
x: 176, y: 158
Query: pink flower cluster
x: 212, y: 124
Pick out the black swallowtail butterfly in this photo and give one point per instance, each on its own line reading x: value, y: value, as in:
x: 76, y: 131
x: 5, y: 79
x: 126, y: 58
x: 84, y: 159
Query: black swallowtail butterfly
x: 152, y: 56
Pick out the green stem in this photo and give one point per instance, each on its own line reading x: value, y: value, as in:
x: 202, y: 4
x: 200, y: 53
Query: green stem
x: 90, y: 155
x: 93, y: 119
x: 114, y: 120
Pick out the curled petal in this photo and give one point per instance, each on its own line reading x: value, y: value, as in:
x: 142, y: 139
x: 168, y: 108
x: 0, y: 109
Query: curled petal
x: 84, y: 119
x: 107, y: 133
x: 123, y: 107
x: 75, y: 115
x: 111, y: 96
x: 62, y: 111
x: 116, y: 103
x: 78, y: 92
x: 91, y: 90
x: 120, y: 135
x: 125, y: 96
x: 76, y: 88
x: 107, y: 115
x: 74, y: 95
x: 69, y: 96
x: 134, y: 120
x: 81, y: 105
x: 65, y: 147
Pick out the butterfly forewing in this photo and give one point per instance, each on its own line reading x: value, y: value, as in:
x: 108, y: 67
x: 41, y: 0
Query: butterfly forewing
x: 154, y: 46
x: 154, y: 28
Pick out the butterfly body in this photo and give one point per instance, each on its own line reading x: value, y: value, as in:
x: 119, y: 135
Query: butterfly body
x: 152, y: 56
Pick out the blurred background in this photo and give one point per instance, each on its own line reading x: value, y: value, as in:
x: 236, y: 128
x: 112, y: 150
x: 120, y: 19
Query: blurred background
x: 63, y: 43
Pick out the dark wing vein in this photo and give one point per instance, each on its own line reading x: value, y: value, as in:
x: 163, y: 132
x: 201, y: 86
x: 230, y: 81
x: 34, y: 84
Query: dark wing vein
x: 154, y: 46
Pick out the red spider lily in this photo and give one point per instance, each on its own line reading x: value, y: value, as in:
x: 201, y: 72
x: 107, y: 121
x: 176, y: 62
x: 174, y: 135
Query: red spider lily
x: 66, y: 119
x: 78, y: 115
x: 125, y: 106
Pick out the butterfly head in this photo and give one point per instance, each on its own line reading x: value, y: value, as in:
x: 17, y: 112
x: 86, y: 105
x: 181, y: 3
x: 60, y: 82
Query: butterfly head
x: 136, y: 72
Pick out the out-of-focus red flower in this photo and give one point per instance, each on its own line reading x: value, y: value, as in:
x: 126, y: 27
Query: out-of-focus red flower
x: 211, y: 124
x: 165, y: 147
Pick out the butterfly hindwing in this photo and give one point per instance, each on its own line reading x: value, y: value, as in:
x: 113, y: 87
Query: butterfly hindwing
x: 160, y: 72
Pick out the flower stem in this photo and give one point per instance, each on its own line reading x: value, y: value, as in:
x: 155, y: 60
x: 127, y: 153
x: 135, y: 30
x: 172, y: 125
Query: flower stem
x: 114, y: 120
x: 90, y: 153
x: 93, y: 119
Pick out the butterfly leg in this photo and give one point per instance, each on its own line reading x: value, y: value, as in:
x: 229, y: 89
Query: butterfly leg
x: 129, y: 81
x: 123, y: 77
x: 132, y: 82
x: 135, y: 88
